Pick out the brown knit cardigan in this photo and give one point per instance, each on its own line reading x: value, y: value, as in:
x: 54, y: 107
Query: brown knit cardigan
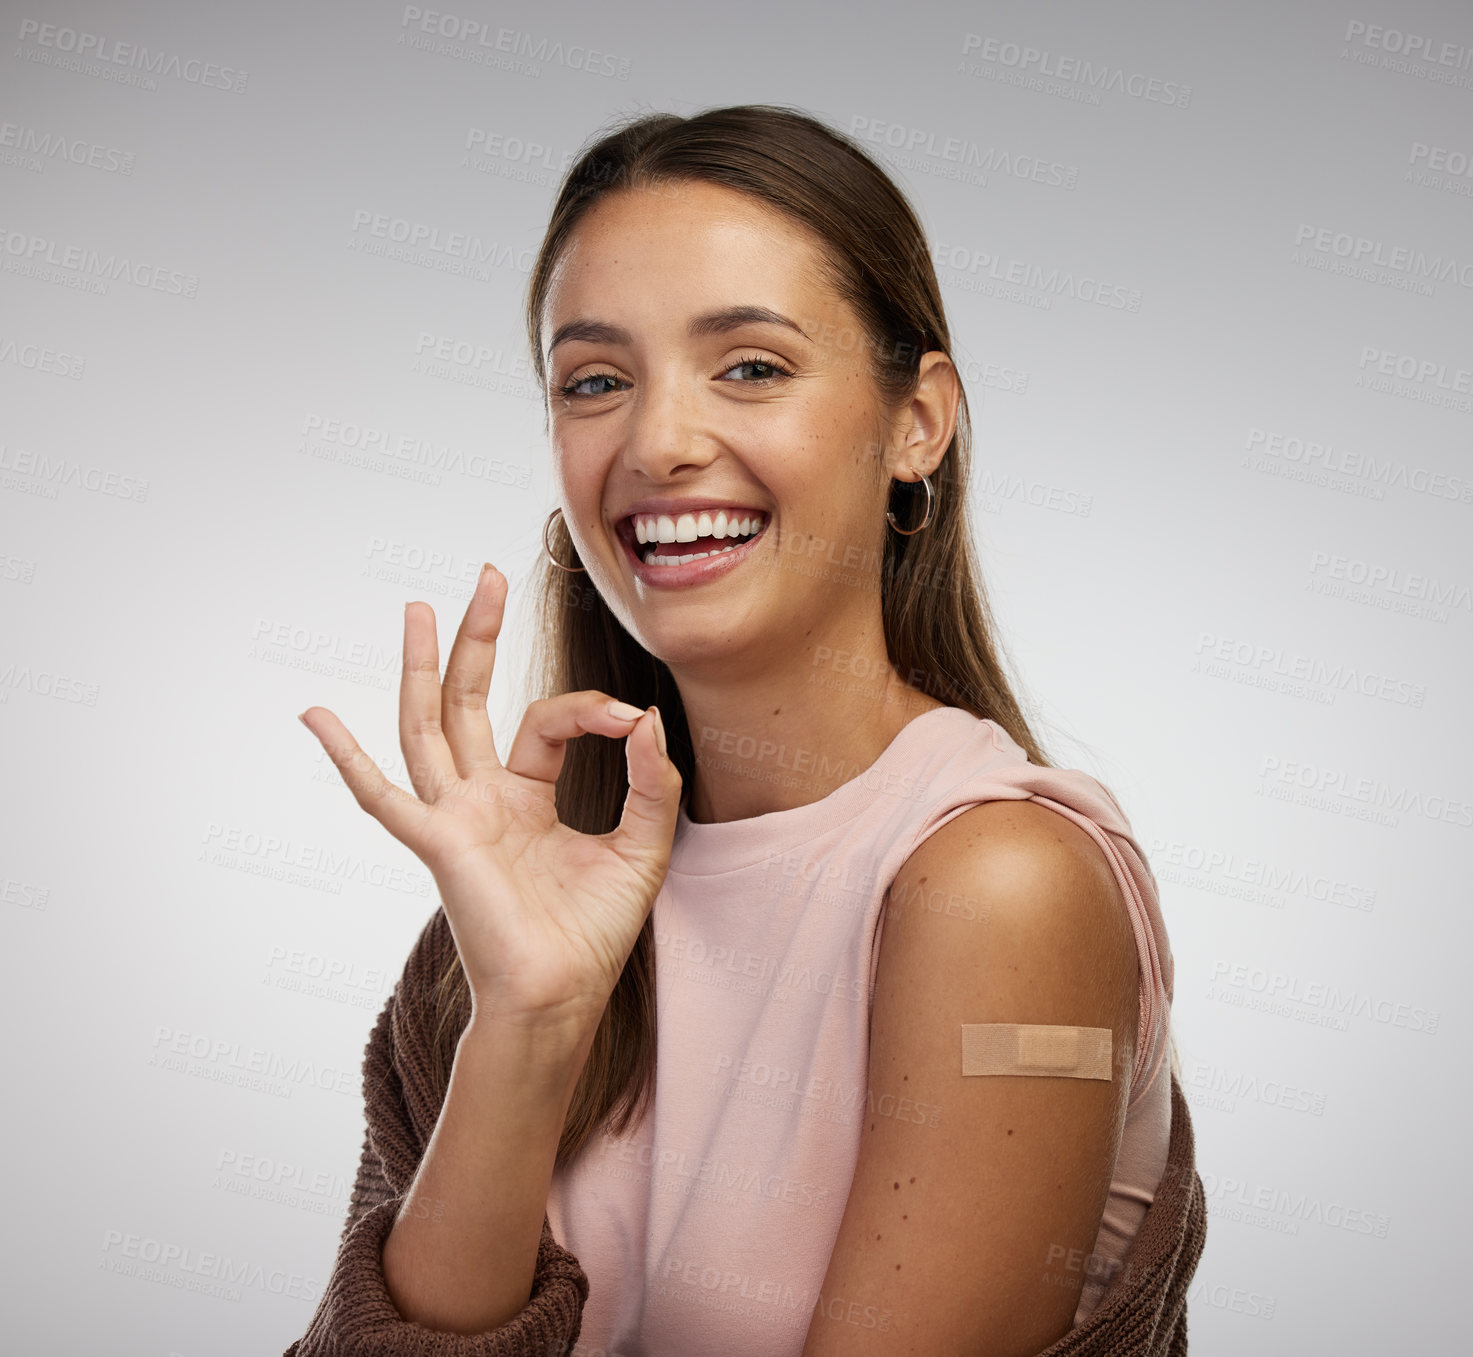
x: 1143, y: 1314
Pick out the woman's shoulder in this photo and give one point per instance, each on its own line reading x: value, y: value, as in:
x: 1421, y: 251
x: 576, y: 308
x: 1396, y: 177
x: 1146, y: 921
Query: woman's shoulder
x: 968, y: 759
x: 1006, y: 916
x: 1035, y: 887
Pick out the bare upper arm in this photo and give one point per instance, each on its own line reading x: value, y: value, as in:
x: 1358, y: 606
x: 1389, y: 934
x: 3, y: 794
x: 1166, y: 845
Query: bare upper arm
x: 1009, y: 913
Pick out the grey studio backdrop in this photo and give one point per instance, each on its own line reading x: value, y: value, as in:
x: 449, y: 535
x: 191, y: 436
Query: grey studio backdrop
x: 263, y: 380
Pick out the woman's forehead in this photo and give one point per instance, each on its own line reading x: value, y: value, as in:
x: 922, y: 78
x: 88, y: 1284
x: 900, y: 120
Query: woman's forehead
x: 705, y: 245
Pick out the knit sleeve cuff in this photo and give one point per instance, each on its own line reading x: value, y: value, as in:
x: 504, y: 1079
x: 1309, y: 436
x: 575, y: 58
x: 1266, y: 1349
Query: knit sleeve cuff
x: 357, y: 1316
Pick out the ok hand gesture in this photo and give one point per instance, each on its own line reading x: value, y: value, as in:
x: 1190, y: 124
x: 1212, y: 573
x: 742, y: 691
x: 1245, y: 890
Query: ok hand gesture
x: 543, y: 916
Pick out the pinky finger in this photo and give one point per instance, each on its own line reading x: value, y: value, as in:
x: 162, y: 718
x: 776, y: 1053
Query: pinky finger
x: 397, y: 810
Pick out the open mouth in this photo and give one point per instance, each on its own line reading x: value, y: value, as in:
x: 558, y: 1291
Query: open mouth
x: 672, y: 541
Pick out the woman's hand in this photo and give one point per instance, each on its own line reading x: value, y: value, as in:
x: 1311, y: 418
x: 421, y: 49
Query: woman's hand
x: 543, y: 916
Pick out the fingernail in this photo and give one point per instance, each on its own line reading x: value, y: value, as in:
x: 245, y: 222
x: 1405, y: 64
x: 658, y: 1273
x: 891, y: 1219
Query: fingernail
x: 302, y: 717
x: 624, y: 710
x: 659, y: 732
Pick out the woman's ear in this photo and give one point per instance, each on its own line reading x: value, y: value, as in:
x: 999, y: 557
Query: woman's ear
x: 926, y: 423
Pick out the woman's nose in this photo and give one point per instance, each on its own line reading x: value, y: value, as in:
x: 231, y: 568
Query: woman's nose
x: 665, y: 432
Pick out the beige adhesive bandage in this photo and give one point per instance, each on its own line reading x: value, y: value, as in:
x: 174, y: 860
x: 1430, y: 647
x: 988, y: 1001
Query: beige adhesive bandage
x: 1017, y: 1048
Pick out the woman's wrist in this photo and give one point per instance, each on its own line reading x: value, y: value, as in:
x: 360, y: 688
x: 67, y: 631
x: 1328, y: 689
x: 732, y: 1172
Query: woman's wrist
x: 545, y: 1053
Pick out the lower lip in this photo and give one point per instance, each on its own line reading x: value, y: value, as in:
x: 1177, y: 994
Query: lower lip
x: 693, y: 572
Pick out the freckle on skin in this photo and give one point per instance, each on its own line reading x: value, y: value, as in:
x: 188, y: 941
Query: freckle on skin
x: 897, y: 1187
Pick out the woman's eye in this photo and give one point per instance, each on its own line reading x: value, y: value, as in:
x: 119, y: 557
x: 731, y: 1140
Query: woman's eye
x: 571, y: 389
x: 595, y: 384
x: 766, y: 370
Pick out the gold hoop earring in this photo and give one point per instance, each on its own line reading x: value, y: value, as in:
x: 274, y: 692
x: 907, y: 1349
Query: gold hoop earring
x: 930, y: 506
x: 547, y: 547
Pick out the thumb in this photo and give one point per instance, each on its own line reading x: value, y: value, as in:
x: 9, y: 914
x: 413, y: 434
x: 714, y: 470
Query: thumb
x: 646, y: 829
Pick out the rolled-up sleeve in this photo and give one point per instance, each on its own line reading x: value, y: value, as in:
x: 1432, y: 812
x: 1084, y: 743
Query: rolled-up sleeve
x: 356, y: 1316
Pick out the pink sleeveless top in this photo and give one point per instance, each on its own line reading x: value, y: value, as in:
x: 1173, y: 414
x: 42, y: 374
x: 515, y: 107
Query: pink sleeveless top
x: 708, y: 1226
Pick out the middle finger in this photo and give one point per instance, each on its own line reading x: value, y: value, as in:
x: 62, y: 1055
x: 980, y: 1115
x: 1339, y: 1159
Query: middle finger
x: 468, y: 676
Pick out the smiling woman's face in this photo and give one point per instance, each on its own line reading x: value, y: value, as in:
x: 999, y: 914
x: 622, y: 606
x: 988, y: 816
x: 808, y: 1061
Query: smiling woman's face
x: 668, y: 394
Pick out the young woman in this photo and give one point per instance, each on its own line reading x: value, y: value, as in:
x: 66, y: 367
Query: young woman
x: 684, y: 1063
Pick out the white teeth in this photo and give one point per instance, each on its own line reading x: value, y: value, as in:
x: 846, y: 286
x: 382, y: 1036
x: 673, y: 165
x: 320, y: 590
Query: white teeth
x: 662, y: 528
x: 690, y: 527
x: 685, y: 560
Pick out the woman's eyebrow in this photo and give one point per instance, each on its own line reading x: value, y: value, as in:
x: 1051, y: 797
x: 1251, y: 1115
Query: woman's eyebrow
x: 708, y: 323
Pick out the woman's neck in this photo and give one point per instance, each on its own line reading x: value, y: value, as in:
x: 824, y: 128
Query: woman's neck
x: 791, y: 741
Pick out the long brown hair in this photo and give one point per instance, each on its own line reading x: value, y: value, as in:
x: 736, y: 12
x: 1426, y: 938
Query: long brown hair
x: 938, y: 625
